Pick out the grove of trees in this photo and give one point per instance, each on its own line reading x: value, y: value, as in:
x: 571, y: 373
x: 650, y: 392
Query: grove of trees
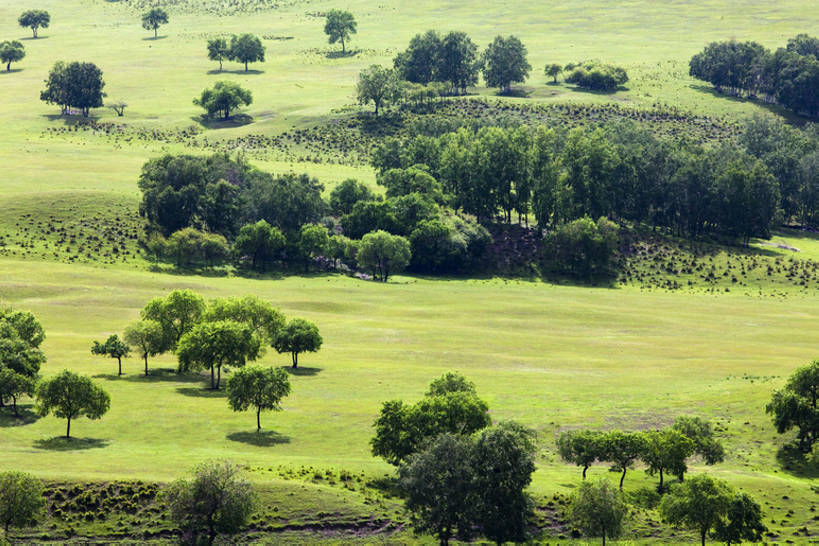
x: 223, y: 98
x: 74, y: 84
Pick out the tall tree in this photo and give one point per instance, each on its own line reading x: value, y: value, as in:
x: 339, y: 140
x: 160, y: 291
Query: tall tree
x: 113, y: 347
x: 22, y: 500
x: 34, y: 19
x: 598, y: 509
x: 257, y: 387
x: 504, y: 63
x: 795, y: 406
x: 260, y: 241
x: 378, y: 85
x: 458, y: 61
x: 177, y: 313
x: 151, y: 20
x: 147, y: 337
x: 211, y: 345
x: 296, y: 337
x: 743, y: 521
x: 68, y: 396
x: 11, y: 52
x: 74, y: 84
x: 218, y: 50
x: 339, y: 26
x: 420, y: 63
x: 384, y: 254
x: 246, y: 48
x: 700, y: 503
x: 223, y: 98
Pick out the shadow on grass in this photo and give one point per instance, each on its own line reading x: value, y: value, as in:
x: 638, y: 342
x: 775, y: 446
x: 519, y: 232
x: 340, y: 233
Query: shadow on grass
x: 61, y: 443
x: 154, y: 38
x: 202, y: 392
x: 12, y: 71
x: 341, y: 55
x: 601, y: 92
x: 793, y: 461
x: 32, y: 38
x: 71, y: 119
x: 265, y: 438
x: 26, y: 416
x: 238, y: 71
x: 301, y: 371
x: 388, y: 485
x: 515, y: 92
x: 234, y: 121
x: 163, y: 374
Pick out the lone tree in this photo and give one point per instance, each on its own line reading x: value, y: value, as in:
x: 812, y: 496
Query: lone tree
x: 598, y: 509
x: 21, y: 500
x: 298, y: 336
x: 151, y: 20
x: 700, y: 503
x: 246, y: 48
x: 113, y: 347
x: 378, y: 85
x: 339, y: 26
x: 505, y: 63
x: 147, y: 337
x: 218, y: 50
x: 211, y: 345
x: 383, y: 254
x: 794, y: 406
x: 74, y: 84
x: 68, y: 396
x: 118, y: 106
x: 222, y: 98
x: 553, y: 70
x: 13, y: 385
x: 34, y: 19
x: 216, y: 501
x: 11, y: 52
x: 257, y: 387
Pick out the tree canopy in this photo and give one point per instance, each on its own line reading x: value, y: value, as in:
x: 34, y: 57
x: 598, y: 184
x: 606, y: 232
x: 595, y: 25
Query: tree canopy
x: 34, y: 19
x: 152, y: 19
x: 246, y: 48
x: 384, y: 254
x: 260, y: 388
x: 223, y: 98
x: 700, y: 503
x: 795, y: 406
x: 598, y: 509
x: 11, y: 52
x: 22, y: 502
x: 504, y: 63
x: 296, y: 337
x: 177, y: 313
x: 113, y: 347
x: 378, y: 85
x: 69, y: 396
x: 211, y: 345
x: 218, y: 50
x: 147, y: 337
x: 339, y: 26
x: 74, y: 84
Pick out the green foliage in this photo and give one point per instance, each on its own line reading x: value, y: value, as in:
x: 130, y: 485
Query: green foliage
x: 177, y: 313
x: 581, y: 447
x: 189, y: 246
x: 211, y: 345
x: 260, y: 242
x: 20, y: 337
x: 216, y: 501
x: 700, y: 503
x: 74, y: 84
x: 383, y: 254
x: 699, y: 432
x: 666, y: 451
x: 743, y: 521
x: 218, y: 50
x: 452, y: 58
x: 298, y: 336
x: 553, y: 70
x: 582, y: 247
x: 378, y: 85
x: 223, y: 97
x: 598, y: 509
x: 21, y: 500
x: 346, y: 194
x: 450, y: 382
x: 68, y: 396
x: 257, y: 387
x: 504, y: 63
x: 415, y: 179
x: 313, y: 241
x: 795, y: 406
x: 13, y: 385
x: 339, y: 26
x: 622, y: 449
x: 113, y: 347
x: 34, y: 19
x: 147, y: 337
x: 151, y: 20
x: 597, y: 76
x: 265, y: 320
x: 246, y: 48
x: 11, y: 52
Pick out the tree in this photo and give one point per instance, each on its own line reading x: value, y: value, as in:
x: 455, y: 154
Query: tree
x: 218, y: 50
x: 794, y: 406
x: 378, y: 85
x: 14, y: 385
x: 113, y: 347
x: 74, y: 84
x: 503, y: 462
x: 313, y: 241
x: 458, y: 61
x: 339, y: 26
x: 699, y: 431
x: 420, y: 62
x: 147, y: 337
x: 260, y: 388
x: 598, y: 509
x: 345, y: 195
x: 504, y: 63
x: 582, y: 247
x: 743, y: 521
x: 666, y: 451
x: 298, y: 336
x: 260, y: 241
x: 211, y: 345
x: 252, y: 311
x: 383, y: 254
x: 20, y: 337
x: 216, y: 501
x: 34, y: 19
x: 11, y: 52
x: 68, y: 396
x: 223, y: 97
x: 597, y: 76
x: 151, y: 20
x: 450, y: 382
x: 622, y: 449
x: 246, y: 48
x: 581, y: 447
x: 177, y: 313
x: 553, y: 70
x: 22, y: 501
x: 118, y: 106
x: 699, y: 503
x: 438, y: 485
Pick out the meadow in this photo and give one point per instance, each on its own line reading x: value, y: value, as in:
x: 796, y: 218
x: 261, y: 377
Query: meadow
x: 552, y: 356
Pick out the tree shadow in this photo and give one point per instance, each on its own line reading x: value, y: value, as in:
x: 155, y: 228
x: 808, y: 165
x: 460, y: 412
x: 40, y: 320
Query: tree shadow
x: 771, y: 107
x: 234, y: 121
x: 340, y: 54
x: 32, y: 38
x: 601, y: 92
x: 793, y: 461
x: 61, y: 443
x: 71, y: 119
x: 301, y: 371
x: 201, y: 392
x: 390, y: 486
x: 238, y: 71
x: 515, y: 92
x: 164, y: 374
x: 154, y: 38
x: 26, y: 417
x: 12, y: 71
x: 265, y: 438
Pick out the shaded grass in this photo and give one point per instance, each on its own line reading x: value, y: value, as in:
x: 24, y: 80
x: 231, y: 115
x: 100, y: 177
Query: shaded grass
x: 262, y: 438
x: 61, y: 443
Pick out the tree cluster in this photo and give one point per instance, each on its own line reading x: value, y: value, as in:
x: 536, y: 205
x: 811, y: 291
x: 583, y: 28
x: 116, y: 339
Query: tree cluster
x: 788, y: 76
x: 244, y: 49
x: 74, y: 85
x: 593, y: 75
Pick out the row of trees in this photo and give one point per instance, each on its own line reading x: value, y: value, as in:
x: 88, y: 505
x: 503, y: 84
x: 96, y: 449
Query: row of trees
x: 789, y: 75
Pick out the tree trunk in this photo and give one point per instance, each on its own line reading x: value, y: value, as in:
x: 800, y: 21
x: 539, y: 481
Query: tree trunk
x: 604, y: 536
x: 702, y: 537
x: 245, y: 66
x: 156, y: 29
x: 623, y: 477
x: 220, y: 65
x: 661, y: 480
x: 34, y: 30
x: 119, y: 362
x: 8, y: 67
x: 343, y: 51
x: 584, y: 471
x: 376, y: 108
x: 212, y: 380
x: 14, y: 405
x: 145, y: 356
x: 295, y: 356
x: 258, y: 420
x: 218, y: 376
x: 68, y: 429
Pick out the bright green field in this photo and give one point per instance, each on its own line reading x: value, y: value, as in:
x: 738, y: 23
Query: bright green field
x: 552, y: 357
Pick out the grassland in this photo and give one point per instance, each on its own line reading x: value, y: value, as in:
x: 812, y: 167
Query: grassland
x: 551, y: 356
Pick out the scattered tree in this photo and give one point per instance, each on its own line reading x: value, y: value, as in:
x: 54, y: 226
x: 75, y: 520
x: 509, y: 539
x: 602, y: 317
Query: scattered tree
x: 147, y: 337
x: 699, y: 431
x: 68, y: 396
x: 216, y: 501
x: 13, y: 385
x: 11, y: 52
x: 118, y: 106
x: 22, y: 500
x: 700, y: 503
x: 666, y: 451
x: 151, y: 20
x: 74, y: 84
x: 298, y: 336
x: 34, y: 19
x: 222, y: 98
x: 794, y: 406
x: 384, y: 254
x: 743, y: 521
x: 598, y: 509
x: 218, y: 50
x: 378, y: 85
x: 257, y: 387
x: 553, y: 70
x: 339, y: 26
x: 113, y: 347
x: 246, y: 48
x: 505, y: 63
x: 177, y: 313
x: 581, y: 447
x: 211, y: 345
x: 622, y: 449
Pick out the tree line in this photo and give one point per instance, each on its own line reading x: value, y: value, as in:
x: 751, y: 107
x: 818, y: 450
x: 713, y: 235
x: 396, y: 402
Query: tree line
x: 788, y: 76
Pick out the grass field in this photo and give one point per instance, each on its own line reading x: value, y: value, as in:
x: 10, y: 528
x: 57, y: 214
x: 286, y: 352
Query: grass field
x: 551, y: 356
